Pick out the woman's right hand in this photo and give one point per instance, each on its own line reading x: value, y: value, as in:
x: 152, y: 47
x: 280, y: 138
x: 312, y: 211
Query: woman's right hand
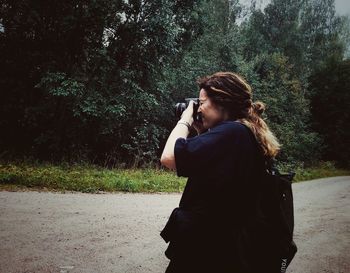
x: 187, y: 115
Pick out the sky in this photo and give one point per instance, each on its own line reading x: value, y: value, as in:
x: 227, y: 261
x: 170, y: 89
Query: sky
x: 342, y: 7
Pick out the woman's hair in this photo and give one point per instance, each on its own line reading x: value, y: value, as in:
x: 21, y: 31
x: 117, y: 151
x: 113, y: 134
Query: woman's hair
x: 231, y: 92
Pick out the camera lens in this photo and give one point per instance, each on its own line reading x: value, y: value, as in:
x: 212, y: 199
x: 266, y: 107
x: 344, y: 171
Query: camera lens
x: 179, y: 109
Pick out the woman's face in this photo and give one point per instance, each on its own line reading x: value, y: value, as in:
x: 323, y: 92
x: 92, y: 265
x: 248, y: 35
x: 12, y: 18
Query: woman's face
x: 211, y: 113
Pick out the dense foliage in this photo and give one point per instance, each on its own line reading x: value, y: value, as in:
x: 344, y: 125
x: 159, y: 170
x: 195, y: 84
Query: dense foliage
x: 97, y: 80
x: 330, y: 106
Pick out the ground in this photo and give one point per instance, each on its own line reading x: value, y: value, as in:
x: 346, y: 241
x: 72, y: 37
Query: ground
x: 119, y: 232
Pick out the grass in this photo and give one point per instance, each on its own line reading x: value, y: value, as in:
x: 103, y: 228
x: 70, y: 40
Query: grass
x: 321, y: 170
x: 90, y: 178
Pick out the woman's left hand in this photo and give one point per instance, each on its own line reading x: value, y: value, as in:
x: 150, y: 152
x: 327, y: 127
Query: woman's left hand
x: 198, y: 126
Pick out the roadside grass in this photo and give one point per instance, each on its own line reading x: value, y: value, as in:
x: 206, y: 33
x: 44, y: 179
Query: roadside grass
x: 88, y: 178
x: 319, y: 170
x: 91, y: 178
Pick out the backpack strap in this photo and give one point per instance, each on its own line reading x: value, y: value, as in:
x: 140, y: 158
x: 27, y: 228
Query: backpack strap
x: 270, y: 164
x: 266, y: 163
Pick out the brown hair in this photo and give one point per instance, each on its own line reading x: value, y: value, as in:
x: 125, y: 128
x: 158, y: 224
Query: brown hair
x: 231, y: 92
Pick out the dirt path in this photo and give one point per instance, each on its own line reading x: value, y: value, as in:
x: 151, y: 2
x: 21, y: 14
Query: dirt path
x: 75, y: 232
x: 322, y: 226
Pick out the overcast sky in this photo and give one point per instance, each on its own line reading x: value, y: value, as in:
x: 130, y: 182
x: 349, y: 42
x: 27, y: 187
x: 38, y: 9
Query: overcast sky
x: 342, y: 7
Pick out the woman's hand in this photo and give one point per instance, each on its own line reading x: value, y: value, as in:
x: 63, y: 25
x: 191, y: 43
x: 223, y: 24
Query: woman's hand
x: 187, y: 115
x: 168, y: 157
x: 198, y: 126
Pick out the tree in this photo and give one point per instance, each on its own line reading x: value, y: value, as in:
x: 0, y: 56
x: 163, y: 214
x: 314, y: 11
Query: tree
x: 330, y: 104
x: 287, y: 112
x: 97, y: 80
x: 85, y: 88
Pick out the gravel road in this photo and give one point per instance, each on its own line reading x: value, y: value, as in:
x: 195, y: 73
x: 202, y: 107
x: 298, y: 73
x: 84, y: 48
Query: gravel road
x: 119, y: 232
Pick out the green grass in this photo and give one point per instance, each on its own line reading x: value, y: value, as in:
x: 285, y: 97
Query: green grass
x: 319, y: 170
x: 90, y: 178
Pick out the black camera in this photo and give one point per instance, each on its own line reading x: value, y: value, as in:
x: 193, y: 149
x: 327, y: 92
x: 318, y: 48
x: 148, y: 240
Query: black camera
x: 181, y: 107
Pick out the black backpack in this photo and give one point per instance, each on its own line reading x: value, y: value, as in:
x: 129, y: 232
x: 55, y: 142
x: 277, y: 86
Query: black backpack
x: 267, y: 245
x: 281, y: 209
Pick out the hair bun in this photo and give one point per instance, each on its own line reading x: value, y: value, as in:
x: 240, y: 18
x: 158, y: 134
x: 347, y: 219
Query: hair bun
x: 259, y: 107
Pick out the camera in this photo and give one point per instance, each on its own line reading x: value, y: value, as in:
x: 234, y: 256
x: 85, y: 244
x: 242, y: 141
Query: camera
x: 180, y: 107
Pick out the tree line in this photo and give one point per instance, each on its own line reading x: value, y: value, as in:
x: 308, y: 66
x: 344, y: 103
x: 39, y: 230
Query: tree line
x: 97, y: 81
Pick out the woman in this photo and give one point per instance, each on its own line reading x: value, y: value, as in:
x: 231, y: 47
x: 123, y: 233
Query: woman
x: 223, y: 164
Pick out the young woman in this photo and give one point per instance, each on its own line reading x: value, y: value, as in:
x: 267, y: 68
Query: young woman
x: 223, y: 165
